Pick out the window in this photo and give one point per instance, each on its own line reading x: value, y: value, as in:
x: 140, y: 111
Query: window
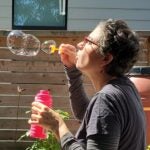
x: 39, y: 14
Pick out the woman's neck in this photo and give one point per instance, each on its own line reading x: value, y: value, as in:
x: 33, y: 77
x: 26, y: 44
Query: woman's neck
x: 100, y: 80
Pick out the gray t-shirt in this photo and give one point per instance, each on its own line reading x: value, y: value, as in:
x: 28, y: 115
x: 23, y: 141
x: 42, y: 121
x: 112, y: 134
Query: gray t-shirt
x: 112, y: 120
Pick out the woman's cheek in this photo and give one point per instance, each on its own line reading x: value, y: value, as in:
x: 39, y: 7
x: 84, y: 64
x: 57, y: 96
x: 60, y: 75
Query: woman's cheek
x: 82, y: 61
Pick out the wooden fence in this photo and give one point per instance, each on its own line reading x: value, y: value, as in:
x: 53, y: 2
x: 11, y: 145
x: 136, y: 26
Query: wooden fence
x: 32, y: 74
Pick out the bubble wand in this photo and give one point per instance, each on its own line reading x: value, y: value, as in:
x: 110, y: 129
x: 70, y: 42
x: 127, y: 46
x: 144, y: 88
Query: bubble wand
x: 53, y: 49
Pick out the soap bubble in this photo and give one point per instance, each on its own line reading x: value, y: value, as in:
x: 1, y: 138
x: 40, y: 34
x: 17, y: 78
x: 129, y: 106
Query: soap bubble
x: 31, y: 45
x: 49, y: 47
x: 15, y: 41
x: 23, y: 44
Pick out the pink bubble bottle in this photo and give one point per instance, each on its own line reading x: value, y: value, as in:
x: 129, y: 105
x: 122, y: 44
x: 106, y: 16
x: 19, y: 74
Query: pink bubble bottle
x: 45, y: 98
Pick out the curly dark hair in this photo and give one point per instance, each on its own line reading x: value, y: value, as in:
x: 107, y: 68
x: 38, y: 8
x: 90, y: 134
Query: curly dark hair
x: 119, y: 40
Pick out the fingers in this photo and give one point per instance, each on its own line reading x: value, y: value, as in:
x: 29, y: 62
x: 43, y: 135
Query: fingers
x: 67, y: 49
x: 34, y: 119
x: 37, y: 110
x: 40, y: 111
x: 36, y: 113
x: 38, y: 107
x: 44, y: 116
x: 68, y: 54
x: 40, y: 115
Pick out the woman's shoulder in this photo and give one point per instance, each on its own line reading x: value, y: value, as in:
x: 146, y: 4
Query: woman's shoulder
x: 116, y: 86
x: 114, y: 91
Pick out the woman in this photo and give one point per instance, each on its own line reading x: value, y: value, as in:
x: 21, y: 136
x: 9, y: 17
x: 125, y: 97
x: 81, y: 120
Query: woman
x: 114, y: 118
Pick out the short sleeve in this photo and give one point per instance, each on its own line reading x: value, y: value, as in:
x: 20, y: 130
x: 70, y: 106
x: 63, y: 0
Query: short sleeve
x: 102, y: 120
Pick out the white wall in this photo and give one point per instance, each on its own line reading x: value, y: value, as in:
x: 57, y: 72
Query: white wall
x: 83, y: 15
x: 5, y: 14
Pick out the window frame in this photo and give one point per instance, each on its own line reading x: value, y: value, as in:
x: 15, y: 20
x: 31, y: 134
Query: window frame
x: 43, y: 27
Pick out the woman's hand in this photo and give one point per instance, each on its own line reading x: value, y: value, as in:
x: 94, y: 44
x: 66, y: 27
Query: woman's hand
x: 49, y: 119
x: 68, y: 55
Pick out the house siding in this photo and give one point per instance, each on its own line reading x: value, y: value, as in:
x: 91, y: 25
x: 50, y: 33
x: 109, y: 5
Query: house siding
x: 83, y: 15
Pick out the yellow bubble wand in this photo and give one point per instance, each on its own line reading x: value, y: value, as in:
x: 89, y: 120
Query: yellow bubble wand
x: 49, y: 47
x: 53, y: 49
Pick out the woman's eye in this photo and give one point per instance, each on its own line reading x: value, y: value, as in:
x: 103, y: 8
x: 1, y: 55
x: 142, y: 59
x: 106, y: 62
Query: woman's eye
x: 89, y: 43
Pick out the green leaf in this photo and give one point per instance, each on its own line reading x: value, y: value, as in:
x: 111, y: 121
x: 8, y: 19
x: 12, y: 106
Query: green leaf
x: 63, y: 114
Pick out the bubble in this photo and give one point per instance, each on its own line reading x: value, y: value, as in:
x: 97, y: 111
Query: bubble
x: 31, y: 45
x: 15, y: 41
x: 49, y: 47
x: 23, y: 44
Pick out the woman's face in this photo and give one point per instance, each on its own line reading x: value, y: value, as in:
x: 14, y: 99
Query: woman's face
x: 87, y: 58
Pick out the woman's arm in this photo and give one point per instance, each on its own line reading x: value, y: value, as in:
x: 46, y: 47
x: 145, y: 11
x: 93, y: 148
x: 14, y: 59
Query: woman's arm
x: 94, y: 142
x: 78, y: 98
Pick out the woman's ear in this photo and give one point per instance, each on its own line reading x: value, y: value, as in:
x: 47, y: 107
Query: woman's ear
x: 107, y: 59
